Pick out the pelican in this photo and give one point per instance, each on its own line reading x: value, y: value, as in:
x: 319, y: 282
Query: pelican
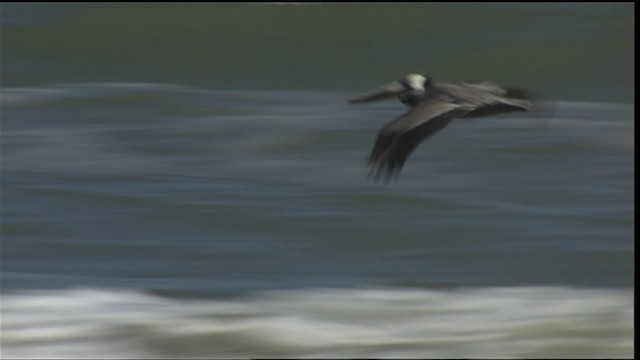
x: 432, y: 106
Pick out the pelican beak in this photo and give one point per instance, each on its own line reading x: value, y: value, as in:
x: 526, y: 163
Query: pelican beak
x: 391, y: 89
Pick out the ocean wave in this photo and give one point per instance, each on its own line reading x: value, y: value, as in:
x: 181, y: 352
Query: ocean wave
x: 368, y: 322
x: 160, y: 128
x: 21, y: 95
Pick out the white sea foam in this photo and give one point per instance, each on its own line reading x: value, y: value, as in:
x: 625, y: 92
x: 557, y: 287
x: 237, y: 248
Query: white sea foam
x: 471, y: 322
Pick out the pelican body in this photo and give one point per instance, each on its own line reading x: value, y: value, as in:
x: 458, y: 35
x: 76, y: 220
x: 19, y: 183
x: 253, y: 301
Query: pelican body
x: 433, y: 105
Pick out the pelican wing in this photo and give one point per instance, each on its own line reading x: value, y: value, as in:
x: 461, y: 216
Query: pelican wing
x: 400, y: 137
x: 487, y: 97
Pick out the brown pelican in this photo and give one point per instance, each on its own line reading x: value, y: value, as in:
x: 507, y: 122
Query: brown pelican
x: 433, y: 105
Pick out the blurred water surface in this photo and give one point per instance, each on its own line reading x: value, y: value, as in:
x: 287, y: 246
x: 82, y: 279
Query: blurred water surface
x: 581, y: 51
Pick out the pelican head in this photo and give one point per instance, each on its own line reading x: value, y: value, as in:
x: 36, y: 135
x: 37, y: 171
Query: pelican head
x: 411, y: 84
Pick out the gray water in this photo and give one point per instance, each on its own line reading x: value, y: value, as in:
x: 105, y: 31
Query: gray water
x: 189, y: 181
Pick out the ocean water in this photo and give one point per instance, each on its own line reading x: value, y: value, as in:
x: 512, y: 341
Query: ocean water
x: 189, y: 181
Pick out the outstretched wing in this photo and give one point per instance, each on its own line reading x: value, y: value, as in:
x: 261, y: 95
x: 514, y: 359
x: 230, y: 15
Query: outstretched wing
x: 487, y: 97
x: 400, y: 137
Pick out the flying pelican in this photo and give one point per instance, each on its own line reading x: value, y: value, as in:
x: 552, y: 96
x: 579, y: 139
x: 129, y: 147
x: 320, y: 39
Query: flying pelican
x: 433, y: 105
